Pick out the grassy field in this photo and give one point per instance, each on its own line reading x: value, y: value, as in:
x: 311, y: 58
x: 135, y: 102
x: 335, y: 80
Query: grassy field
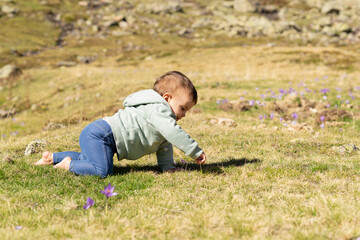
x: 265, y: 179
x: 288, y: 169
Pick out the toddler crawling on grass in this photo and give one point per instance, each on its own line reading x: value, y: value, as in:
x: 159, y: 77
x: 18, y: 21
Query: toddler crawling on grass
x: 148, y: 124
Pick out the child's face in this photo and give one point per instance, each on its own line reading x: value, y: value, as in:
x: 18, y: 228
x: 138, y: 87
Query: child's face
x: 180, y: 103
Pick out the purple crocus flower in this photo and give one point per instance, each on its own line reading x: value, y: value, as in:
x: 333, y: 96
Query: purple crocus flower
x: 338, y: 96
x: 324, y: 97
x: 261, y: 117
x: 109, y: 191
x: 322, y: 118
x: 281, y: 119
x: 18, y: 227
x: 183, y: 161
x: 322, y: 125
x: 271, y: 116
x: 325, y: 90
x: 89, y: 203
x: 347, y: 101
x: 282, y: 91
x: 294, y: 115
x: 252, y: 102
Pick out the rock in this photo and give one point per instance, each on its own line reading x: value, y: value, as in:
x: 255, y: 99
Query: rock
x: 53, y: 126
x: 34, y: 147
x: 259, y: 26
x: 223, y: 122
x: 331, y: 7
x: 7, y: 9
x: 66, y: 64
x: 160, y: 8
x: 9, y: 71
x: 345, y: 149
x: 243, y: 6
x: 86, y: 59
x: 9, y: 113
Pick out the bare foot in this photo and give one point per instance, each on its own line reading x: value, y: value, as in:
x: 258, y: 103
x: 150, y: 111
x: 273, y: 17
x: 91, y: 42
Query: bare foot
x: 64, y: 164
x: 47, y: 159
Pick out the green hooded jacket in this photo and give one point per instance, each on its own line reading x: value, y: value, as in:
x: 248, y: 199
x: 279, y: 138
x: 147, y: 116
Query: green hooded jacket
x: 148, y: 125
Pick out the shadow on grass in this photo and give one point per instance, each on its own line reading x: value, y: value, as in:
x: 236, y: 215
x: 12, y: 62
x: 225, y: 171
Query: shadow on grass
x: 211, y: 168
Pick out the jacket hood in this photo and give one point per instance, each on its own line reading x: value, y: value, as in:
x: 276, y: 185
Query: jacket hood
x: 144, y: 97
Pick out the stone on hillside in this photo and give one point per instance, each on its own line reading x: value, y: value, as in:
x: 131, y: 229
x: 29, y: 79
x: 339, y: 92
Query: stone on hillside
x: 5, y: 114
x: 334, y: 7
x: 259, y: 26
x: 53, y: 126
x: 243, y: 6
x: 66, y: 64
x: 161, y: 8
x: 227, y: 122
x: 34, y: 147
x: 345, y: 149
x: 7, y: 9
x: 8, y: 71
x: 86, y: 59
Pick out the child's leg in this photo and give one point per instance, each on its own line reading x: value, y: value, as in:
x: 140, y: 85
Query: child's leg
x: 97, y: 151
x: 49, y: 158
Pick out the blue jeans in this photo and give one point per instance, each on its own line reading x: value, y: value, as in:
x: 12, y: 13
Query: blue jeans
x: 97, y: 146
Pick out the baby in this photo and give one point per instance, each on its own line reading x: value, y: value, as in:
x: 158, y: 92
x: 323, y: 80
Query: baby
x: 148, y: 124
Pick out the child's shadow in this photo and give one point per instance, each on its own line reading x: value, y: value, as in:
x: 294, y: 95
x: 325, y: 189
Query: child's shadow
x: 211, y: 168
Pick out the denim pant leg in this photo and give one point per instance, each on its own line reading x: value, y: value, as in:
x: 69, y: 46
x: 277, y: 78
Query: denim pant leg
x: 97, y: 150
x: 58, y: 157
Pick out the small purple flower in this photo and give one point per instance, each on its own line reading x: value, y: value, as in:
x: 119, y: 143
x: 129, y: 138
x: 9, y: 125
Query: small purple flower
x: 322, y: 118
x: 18, y: 227
x: 218, y: 102
x: 262, y: 96
x: 307, y: 90
x: 242, y: 98
x: 282, y: 91
x: 183, y: 161
x: 109, y: 191
x: 261, y: 117
x: 257, y: 89
x: 265, y: 116
x: 347, y: 101
x: 322, y: 125
x: 340, y: 129
x: 324, y: 97
x: 14, y: 133
x: 338, y: 96
x: 271, y: 116
x: 325, y: 90
x: 89, y: 203
x: 281, y: 119
x: 325, y: 77
x: 295, y: 116
x: 291, y: 90
x: 327, y: 105
x: 252, y: 102
x: 336, y: 106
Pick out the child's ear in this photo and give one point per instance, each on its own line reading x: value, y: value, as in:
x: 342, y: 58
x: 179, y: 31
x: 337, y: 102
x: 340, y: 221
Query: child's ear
x: 167, y: 97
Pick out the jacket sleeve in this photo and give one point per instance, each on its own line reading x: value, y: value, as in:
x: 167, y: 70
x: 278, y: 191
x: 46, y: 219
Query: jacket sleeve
x: 162, y: 120
x: 165, y: 156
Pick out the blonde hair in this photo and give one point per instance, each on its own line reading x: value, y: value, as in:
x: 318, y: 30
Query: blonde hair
x: 173, y: 81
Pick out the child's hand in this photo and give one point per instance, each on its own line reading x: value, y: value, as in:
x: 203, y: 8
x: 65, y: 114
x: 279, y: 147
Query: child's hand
x: 201, y: 159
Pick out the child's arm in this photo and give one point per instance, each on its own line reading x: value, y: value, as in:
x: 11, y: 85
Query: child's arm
x: 165, y: 157
x: 162, y: 120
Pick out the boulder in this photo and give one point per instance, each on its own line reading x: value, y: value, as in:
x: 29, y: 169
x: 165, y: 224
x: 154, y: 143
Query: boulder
x: 7, y: 9
x: 34, y: 147
x: 243, y: 6
x: 332, y: 7
x: 9, y: 71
